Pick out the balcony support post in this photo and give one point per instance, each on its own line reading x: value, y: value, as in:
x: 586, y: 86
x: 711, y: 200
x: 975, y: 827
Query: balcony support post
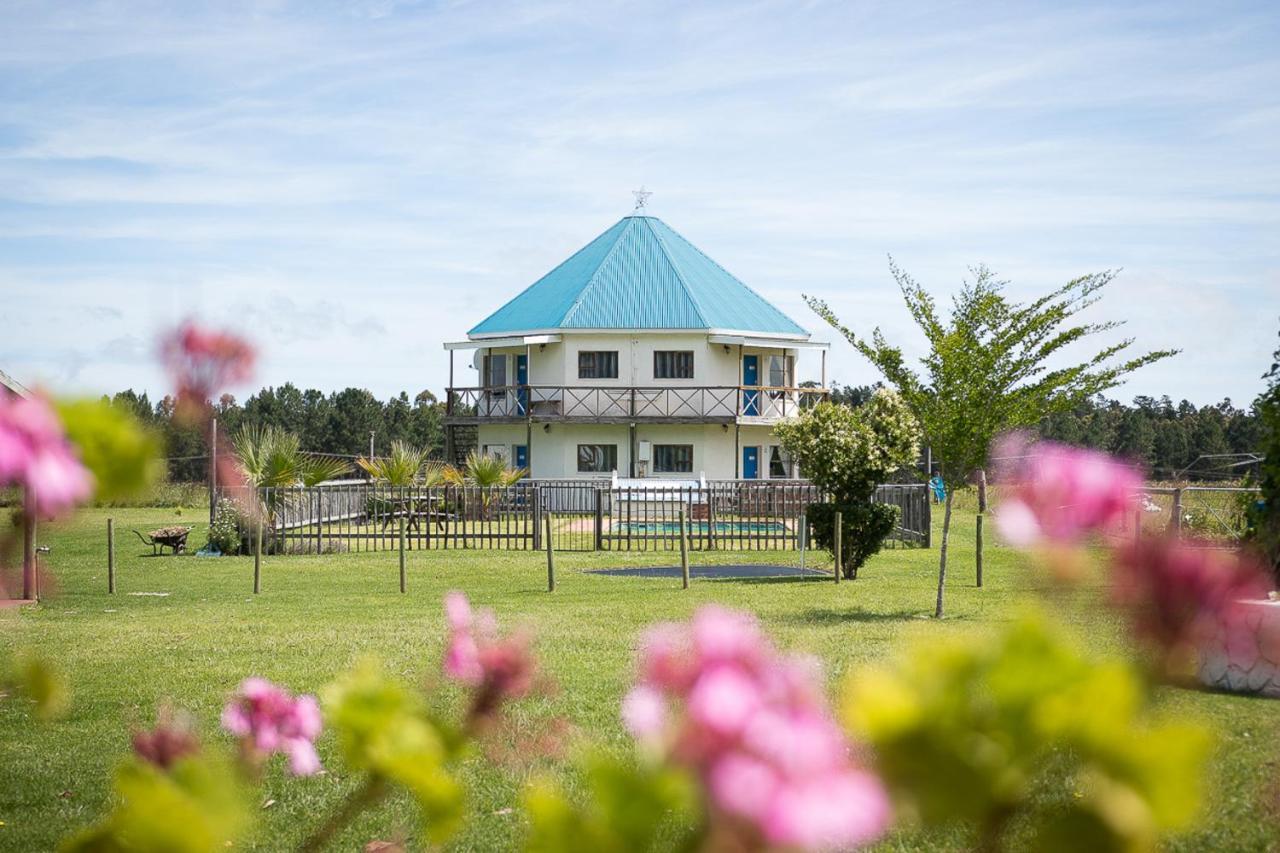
x: 737, y: 451
x: 824, y: 369
x: 631, y: 456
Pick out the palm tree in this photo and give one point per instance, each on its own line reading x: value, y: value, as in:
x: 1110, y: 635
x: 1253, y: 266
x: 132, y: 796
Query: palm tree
x: 404, y: 467
x: 273, y: 459
x: 486, y: 472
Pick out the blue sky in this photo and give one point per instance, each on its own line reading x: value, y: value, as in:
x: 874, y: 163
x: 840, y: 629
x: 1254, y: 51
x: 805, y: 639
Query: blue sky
x: 355, y: 182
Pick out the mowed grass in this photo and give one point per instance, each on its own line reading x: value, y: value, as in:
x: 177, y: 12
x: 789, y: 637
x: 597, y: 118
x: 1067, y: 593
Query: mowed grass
x: 126, y: 654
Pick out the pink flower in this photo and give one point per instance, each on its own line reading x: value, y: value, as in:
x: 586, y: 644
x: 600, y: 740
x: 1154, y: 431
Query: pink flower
x: 723, y: 700
x: 36, y: 454
x: 844, y: 809
x: 172, y: 739
x: 1061, y: 493
x: 201, y: 362
x: 497, y: 668
x: 1178, y: 592
x: 755, y: 728
x: 644, y: 712
x: 268, y: 719
x: 743, y: 785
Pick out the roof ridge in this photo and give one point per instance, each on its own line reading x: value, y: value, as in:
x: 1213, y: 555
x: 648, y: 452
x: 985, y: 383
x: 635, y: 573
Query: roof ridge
x: 666, y: 253
x: 746, y: 286
x: 591, y: 282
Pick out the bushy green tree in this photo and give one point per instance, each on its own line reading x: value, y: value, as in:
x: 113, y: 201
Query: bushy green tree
x: 987, y: 369
x: 1266, y: 515
x: 847, y: 453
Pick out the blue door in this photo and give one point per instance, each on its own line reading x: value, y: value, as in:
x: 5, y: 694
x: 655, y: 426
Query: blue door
x: 751, y: 376
x: 522, y: 379
x: 750, y: 463
x: 521, y: 453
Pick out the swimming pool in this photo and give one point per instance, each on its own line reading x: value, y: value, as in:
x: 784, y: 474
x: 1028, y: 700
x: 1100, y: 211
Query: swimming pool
x: 699, y: 528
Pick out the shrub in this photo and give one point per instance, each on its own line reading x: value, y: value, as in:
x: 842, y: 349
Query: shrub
x: 847, y: 453
x: 224, y: 532
x: 864, y: 527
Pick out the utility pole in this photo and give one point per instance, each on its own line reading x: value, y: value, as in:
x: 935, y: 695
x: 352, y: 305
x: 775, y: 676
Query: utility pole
x: 371, y: 434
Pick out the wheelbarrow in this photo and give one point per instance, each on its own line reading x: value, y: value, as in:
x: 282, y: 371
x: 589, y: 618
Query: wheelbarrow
x: 174, y: 538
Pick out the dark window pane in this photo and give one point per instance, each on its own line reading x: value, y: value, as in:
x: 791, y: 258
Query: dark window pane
x: 597, y: 458
x: 673, y: 364
x: 673, y: 458
x: 598, y: 365
x: 777, y: 469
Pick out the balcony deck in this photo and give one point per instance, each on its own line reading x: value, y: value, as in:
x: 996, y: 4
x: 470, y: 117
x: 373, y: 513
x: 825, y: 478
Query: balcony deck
x: 726, y: 404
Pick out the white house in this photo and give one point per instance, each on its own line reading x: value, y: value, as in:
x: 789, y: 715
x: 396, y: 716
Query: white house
x: 640, y: 355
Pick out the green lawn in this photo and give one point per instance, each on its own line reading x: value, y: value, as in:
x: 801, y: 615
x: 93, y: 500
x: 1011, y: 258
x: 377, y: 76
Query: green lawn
x: 127, y: 653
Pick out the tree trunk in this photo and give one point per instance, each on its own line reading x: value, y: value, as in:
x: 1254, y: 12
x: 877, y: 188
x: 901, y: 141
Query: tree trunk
x: 942, y: 561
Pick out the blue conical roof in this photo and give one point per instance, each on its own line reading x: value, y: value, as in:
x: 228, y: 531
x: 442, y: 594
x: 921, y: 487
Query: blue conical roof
x: 639, y: 274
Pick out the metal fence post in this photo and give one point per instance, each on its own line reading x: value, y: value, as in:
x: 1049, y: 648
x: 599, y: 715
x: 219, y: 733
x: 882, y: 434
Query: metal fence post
x: 1177, y: 512
x: 551, y: 558
x: 535, y: 505
x: 684, y: 548
x: 599, y: 518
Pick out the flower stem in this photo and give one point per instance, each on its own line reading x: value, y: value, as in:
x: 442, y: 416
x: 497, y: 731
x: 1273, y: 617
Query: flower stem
x: 369, y: 793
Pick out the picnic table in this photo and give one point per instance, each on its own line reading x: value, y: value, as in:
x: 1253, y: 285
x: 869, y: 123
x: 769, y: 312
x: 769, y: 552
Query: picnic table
x: 414, y: 509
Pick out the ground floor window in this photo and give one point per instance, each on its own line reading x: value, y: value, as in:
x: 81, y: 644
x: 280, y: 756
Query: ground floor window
x: 597, y: 458
x: 777, y: 465
x: 497, y: 450
x: 673, y: 458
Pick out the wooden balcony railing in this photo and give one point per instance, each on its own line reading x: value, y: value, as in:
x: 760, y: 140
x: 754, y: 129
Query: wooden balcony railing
x: 604, y: 404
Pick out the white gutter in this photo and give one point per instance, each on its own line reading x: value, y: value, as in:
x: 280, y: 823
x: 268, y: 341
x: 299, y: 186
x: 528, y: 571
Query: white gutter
x: 512, y: 341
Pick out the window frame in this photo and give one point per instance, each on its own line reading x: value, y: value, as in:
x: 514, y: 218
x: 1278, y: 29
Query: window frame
x: 594, y: 355
x: 657, y: 448
x: 610, y: 458
x: 675, y: 359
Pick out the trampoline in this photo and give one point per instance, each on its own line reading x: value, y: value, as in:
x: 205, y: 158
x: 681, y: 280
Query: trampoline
x: 748, y: 570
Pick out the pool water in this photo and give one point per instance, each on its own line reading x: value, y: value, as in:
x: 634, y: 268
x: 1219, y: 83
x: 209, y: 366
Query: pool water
x: 699, y: 528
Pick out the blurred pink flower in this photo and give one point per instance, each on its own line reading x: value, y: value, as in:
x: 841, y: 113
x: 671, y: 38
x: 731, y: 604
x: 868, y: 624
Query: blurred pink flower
x: 173, y: 738
x: 201, y: 362
x: 1177, y: 593
x: 35, y: 453
x: 268, y: 719
x: 1061, y: 493
x: 644, y: 712
x: 754, y: 726
x: 496, y: 668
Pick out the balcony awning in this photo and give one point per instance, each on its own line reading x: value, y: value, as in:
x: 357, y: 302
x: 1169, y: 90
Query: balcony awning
x: 514, y: 341
x: 762, y: 341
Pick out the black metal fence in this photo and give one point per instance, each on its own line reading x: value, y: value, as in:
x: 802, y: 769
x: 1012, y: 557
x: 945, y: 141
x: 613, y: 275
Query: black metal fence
x: 578, y: 515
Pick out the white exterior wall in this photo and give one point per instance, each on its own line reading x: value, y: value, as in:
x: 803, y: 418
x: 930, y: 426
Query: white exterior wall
x: 557, y: 364
x: 555, y: 450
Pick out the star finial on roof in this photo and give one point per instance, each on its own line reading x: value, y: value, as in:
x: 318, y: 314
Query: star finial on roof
x: 642, y: 198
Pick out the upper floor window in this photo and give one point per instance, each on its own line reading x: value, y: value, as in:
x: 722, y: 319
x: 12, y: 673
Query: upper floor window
x: 673, y: 364
x: 782, y: 370
x: 495, y: 371
x: 599, y: 364
x: 597, y: 458
x: 673, y: 458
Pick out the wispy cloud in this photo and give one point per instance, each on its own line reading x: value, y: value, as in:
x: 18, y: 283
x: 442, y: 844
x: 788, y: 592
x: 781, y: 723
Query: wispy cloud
x: 356, y: 182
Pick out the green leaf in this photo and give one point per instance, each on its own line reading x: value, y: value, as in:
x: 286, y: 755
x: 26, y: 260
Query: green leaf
x: 118, y: 450
x: 384, y: 729
x: 197, y: 806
